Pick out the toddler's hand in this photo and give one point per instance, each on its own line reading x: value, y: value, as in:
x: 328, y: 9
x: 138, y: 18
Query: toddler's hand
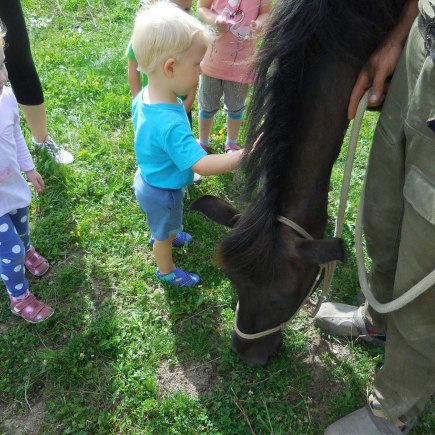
x: 255, y: 27
x: 239, y: 154
x: 35, y: 178
x: 221, y: 24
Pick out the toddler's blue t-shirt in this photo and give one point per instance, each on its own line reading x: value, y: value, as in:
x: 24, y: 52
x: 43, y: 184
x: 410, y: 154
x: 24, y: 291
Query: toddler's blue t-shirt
x: 164, y: 144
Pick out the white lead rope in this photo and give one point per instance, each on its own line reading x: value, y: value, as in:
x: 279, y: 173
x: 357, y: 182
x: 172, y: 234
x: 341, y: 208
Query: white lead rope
x: 353, y: 142
x: 425, y: 284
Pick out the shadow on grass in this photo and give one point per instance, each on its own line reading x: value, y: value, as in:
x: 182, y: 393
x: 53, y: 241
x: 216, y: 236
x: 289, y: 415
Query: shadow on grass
x: 313, y: 380
x: 292, y: 394
x: 59, y: 370
x: 64, y: 363
x: 297, y: 392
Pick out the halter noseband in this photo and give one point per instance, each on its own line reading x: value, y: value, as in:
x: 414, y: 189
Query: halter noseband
x: 326, y: 268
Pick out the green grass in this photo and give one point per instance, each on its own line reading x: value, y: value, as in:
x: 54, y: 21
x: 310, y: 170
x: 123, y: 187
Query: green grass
x: 95, y: 366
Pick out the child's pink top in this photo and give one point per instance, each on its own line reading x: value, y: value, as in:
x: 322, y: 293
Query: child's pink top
x: 14, y: 156
x: 230, y: 55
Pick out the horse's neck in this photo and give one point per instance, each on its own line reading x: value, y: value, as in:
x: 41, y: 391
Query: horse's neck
x: 321, y: 125
x: 305, y: 197
x: 307, y: 208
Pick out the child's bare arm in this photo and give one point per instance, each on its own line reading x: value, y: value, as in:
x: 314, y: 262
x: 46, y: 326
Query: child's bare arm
x: 265, y: 8
x: 204, y: 12
x: 206, y: 15
x: 133, y: 78
x: 214, y: 164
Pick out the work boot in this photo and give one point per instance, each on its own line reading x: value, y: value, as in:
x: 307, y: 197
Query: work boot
x: 347, y: 321
x: 370, y: 420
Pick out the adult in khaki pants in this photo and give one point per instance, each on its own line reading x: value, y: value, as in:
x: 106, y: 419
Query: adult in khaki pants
x: 399, y: 224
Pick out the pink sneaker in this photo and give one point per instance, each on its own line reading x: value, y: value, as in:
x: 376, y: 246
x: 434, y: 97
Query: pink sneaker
x: 204, y: 147
x: 230, y: 148
x: 31, y: 309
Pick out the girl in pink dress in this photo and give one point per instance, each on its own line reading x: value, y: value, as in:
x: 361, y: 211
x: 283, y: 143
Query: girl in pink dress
x: 227, y: 65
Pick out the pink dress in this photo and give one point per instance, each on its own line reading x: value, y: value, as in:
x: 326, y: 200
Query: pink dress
x: 14, y: 156
x: 230, y: 55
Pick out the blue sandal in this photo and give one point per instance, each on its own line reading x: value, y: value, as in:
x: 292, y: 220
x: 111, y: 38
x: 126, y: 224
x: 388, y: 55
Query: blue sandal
x: 181, y: 239
x: 179, y: 278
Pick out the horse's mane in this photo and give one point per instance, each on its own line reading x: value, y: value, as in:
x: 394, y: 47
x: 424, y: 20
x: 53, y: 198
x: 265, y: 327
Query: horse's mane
x: 348, y: 30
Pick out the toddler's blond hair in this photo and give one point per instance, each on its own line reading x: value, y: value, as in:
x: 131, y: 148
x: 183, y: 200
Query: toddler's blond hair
x: 162, y: 31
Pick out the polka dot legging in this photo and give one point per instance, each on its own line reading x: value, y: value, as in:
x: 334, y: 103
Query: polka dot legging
x: 14, y: 242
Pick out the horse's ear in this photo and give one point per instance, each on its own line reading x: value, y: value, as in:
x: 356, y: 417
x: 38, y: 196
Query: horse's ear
x: 217, y: 210
x: 320, y: 251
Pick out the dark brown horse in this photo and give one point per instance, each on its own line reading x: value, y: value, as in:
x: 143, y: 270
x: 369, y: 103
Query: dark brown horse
x: 306, y: 67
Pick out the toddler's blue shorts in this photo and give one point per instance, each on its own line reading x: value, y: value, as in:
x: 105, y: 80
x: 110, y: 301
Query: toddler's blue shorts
x: 162, y: 207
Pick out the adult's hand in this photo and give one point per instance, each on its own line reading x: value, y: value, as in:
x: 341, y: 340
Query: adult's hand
x: 383, y: 62
x: 373, y: 76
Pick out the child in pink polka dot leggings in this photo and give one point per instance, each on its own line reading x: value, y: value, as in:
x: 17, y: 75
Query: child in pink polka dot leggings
x: 16, y: 253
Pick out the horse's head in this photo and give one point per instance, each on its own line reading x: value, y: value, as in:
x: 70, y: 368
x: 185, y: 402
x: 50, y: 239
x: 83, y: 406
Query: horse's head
x: 272, y: 275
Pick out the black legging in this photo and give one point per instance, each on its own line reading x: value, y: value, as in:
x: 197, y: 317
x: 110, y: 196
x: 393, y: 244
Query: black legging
x: 19, y: 62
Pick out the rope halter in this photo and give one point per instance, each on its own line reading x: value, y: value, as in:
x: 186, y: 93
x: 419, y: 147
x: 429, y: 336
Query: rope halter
x: 325, y: 269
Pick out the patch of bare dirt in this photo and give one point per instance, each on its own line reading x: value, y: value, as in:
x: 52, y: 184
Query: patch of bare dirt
x: 13, y: 423
x: 5, y: 326
x: 321, y: 381
x: 100, y: 292
x: 191, y: 379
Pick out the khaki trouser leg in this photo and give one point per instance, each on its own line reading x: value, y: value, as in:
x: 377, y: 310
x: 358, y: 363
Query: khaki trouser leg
x: 399, y: 223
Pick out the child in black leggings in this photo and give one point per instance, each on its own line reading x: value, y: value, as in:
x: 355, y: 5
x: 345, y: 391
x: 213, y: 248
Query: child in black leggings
x: 25, y: 81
